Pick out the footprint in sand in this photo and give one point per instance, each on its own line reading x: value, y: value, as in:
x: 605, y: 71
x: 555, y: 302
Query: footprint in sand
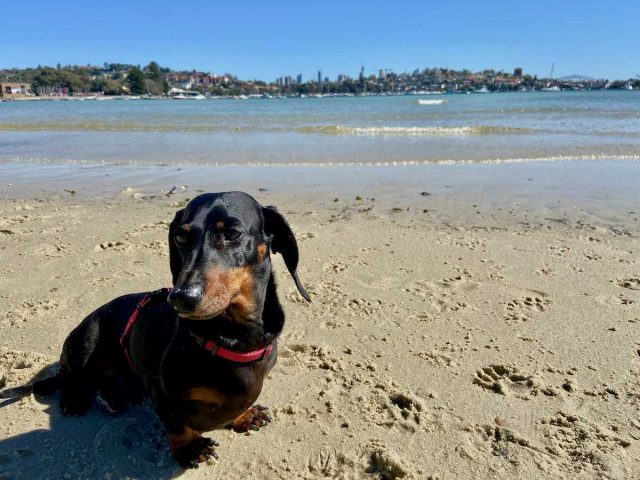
x: 302, y: 236
x: 503, y: 442
x: 161, y: 225
x: 441, y: 299
x: 436, y: 359
x: 560, y: 250
x: 29, y: 311
x: 331, y: 463
x: 592, y: 255
x: 387, y: 464
x: 403, y: 410
x: 545, y: 270
x: 580, y: 445
x: 460, y: 282
x: 503, y: 379
x: 116, y: 245
x: 630, y: 283
x: 519, y: 309
x: 51, y: 250
x: 334, y: 267
x: 470, y: 243
x: 154, y: 245
x: 615, y: 300
x: 529, y: 303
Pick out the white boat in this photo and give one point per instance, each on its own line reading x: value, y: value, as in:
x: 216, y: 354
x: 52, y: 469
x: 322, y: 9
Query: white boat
x: 554, y: 88
x: 628, y: 86
x: 484, y: 89
x: 188, y: 96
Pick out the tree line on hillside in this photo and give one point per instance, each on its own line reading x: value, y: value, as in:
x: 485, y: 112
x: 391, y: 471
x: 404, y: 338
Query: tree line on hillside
x: 74, y: 80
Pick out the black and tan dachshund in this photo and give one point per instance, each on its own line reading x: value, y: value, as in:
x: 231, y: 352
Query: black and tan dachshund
x: 201, y: 350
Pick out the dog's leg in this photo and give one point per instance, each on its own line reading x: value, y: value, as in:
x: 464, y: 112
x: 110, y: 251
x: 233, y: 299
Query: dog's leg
x: 187, y: 445
x: 254, y: 418
x: 120, y: 391
x: 77, y: 378
x: 76, y: 394
x: 190, y: 448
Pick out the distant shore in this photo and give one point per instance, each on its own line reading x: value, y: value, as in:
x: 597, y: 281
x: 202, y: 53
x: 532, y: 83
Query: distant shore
x: 277, y: 96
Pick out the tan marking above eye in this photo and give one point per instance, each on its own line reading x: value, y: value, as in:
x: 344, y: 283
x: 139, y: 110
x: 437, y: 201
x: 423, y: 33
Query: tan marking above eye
x: 262, y: 250
x: 219, y: 225
x: 185, y: 228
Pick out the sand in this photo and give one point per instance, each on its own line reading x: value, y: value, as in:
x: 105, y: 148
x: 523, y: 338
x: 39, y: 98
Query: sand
x: 439, y: 344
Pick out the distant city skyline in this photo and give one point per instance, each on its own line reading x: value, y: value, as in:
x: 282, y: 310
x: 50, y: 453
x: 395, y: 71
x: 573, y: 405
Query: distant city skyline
x: 257, y: 40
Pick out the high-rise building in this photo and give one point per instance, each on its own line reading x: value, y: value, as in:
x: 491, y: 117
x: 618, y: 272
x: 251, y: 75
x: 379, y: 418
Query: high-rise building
x: 299, y: 79
x: 319, y: 76
x: 517, y: 72
x: 383, y: 74
x: 361, y: 73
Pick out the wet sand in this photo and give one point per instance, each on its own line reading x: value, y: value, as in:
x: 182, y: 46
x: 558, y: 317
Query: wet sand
x: 464, y: 324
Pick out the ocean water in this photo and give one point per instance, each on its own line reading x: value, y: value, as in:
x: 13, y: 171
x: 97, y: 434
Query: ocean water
x: 352, y: 130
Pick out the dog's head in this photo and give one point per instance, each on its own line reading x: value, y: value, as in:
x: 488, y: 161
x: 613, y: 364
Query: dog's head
x: 219, y: 248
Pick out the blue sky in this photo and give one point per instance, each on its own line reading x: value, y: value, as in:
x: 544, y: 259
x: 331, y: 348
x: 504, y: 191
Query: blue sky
x: 266, y: 39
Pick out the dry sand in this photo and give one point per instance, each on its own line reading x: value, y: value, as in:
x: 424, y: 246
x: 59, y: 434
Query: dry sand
x: 499, y: 348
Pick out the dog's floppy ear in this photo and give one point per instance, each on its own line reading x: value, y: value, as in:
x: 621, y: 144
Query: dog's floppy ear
x: 284, y: 242
x: 175, y: 260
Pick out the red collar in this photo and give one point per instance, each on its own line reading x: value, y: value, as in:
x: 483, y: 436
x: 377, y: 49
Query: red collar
x: 239, y: 357
x: 209, y: 345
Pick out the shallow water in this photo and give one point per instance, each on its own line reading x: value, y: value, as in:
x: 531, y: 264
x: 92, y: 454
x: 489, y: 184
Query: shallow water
x: 489, y: 127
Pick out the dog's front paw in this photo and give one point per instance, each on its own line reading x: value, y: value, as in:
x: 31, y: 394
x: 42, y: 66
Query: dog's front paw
x: 196, y: 452
x: 254, y: 418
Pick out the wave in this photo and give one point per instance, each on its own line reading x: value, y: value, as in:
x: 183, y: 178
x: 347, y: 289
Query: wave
x: 421, y: 131
x: 599, y: 157
x: 312, y: 129
x: 338, y: 130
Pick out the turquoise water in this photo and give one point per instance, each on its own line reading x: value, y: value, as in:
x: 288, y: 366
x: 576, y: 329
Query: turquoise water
x: 435, y: 128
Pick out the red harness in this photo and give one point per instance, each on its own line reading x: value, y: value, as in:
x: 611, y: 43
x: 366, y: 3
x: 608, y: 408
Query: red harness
x: 209, y: 345
x: 132, y: 319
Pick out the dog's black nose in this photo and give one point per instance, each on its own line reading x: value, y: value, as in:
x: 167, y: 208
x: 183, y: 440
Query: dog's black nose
x: 186, y: 299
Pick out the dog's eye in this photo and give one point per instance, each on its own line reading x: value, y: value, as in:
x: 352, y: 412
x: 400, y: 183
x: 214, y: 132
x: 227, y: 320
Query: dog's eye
x: 232, y: 234
x: 180, y: 239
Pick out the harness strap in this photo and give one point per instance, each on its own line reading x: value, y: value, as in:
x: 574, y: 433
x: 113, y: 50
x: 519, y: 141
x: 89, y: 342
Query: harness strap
x: 134, y: 316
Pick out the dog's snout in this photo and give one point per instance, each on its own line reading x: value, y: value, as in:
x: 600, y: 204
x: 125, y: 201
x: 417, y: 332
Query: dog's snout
x: 186, y: 299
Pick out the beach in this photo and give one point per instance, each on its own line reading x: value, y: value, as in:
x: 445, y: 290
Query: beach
x: 467, y: 321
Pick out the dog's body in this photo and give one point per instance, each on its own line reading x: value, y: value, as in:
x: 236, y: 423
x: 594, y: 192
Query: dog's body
x: 224, y: 299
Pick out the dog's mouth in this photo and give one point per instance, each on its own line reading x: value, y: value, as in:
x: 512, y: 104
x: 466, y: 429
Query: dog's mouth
x: 200, y: 316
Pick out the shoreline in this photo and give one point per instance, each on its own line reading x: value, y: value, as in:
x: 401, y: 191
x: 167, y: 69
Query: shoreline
x: 603, y: 192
